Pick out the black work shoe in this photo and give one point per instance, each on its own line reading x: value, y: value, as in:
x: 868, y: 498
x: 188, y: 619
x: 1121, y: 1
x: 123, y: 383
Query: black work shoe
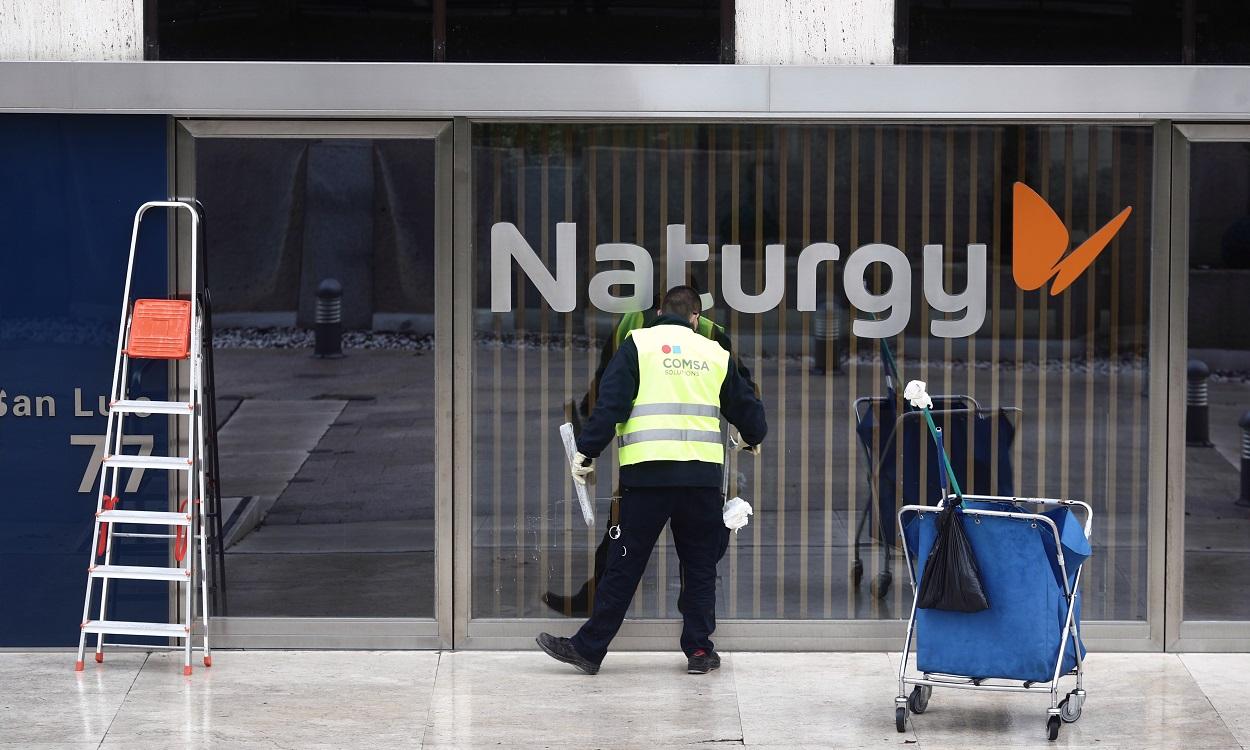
x: 561, y: 649
x: 578, y: 605
x: 702, y: 662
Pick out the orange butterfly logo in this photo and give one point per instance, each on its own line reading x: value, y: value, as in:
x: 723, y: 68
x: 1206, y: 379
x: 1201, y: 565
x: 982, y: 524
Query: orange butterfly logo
x: 1039, y: 242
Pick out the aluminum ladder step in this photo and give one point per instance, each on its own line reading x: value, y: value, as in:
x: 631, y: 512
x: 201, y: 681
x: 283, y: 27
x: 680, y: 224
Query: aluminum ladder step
x: 127, y: 406
x: 150, y: 517
x: 120, y: 627
x: 139, y: 573
x: 163, y: 463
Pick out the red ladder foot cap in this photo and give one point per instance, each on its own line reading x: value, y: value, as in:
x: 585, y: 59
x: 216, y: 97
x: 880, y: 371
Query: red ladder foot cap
x: 208, y: 661
x: 186, y: 671
x: 78, y: 666
x: 99, y: 658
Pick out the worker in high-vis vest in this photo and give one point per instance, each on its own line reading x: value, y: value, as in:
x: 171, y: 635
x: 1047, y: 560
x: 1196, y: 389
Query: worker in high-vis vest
x: 661, y: 400
x: 578, y: 603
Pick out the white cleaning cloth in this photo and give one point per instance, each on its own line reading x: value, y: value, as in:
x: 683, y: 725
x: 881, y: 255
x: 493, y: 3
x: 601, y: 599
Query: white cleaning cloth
x: 736, y: 512
x: 917, y: 396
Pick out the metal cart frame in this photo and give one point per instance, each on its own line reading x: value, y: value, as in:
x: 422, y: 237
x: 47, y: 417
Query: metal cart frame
x: 1067, y: 710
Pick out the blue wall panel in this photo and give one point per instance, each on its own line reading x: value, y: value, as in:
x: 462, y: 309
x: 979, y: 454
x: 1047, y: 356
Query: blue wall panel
x: 69, y: 186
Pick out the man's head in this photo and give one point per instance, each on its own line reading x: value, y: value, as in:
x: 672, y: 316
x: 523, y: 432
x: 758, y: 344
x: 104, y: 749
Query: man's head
x: 682, y: 302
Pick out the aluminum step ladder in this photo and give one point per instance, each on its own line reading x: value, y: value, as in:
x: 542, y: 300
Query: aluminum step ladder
x: 160, y: 329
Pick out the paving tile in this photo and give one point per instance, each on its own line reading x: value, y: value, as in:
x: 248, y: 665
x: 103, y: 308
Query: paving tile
x: 53, y: 672
x: 284, y: 719
x: 43, y: 700
x: 291, y: 672
x: 529, y: 700
x: 1136, y: 700
x: 830, y: 699
x: 281, y: 698
x: 1222, y: 677
x: 533, y: 672
x: 29, y: 745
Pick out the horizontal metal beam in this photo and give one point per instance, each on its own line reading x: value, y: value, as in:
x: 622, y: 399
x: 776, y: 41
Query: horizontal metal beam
x: 704, y: 92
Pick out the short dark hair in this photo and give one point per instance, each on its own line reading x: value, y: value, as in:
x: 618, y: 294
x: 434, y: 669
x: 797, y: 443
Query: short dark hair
x: 681, y: 301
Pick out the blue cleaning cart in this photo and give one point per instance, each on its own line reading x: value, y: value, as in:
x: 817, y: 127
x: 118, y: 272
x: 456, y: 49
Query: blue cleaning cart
x: 1030, y: 552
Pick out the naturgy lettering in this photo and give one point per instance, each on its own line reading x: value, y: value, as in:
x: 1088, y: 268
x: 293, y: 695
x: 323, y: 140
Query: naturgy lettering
x: 891, y: 308
x: 1040, y: 254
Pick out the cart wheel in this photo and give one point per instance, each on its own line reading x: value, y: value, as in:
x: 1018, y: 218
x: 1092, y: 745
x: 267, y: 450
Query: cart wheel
x: 900, y: 719
x: 857, y: 573
x: 881, y: 584
x: 918, y: 701
x: 1069, y: 710
x: 1052, y: 728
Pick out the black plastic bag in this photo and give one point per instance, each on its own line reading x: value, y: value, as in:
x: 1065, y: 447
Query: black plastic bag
x: 951, y: 579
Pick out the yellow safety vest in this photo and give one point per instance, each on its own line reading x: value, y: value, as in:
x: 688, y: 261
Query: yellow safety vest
x: 676, y: 415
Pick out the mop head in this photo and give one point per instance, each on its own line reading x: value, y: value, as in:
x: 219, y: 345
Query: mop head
x: 917, y: 395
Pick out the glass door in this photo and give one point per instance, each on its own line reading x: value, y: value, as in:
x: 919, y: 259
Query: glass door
x: 798, y: 232
x: 1209, y: 564
x: 325, y: 247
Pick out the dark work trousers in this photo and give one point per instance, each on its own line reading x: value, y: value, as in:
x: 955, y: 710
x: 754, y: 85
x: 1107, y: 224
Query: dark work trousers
x: 700, y: 536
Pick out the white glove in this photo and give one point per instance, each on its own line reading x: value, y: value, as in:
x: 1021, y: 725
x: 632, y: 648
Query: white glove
x: 736, y: 513
x: 917, y: 396
x: 583, y: 469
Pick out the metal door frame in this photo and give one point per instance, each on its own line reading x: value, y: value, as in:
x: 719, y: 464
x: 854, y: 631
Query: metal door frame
x: 353, y: 632
x: 1182, y: 634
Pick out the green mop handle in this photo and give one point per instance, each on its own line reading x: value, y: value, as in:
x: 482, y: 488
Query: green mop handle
x: 891, y: 368
x: 946, y: 464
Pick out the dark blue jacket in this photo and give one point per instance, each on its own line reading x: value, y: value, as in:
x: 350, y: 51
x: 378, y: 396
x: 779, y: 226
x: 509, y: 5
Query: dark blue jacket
x: 619, y: 388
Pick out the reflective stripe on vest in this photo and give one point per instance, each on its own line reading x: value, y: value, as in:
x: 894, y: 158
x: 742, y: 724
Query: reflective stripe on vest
x: 677, y: 410
x: 676, y: 414
x: 645, y: 436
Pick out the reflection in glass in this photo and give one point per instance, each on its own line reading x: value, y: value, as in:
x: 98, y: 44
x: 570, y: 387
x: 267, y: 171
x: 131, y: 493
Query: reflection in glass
x: 327, y: 463
x: 1014, y: 32
x: 353, y: 30
x: 1045, y: 399
x: 608, y: 31
x: 1220, y: 32
x: 1217, y: 526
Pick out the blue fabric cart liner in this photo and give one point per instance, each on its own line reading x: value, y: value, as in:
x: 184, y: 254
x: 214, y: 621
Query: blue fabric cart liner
x: 1018, y: 637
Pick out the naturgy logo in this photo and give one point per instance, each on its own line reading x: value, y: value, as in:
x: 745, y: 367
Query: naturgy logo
x: 1039, y: 241
x: 1040, y: 253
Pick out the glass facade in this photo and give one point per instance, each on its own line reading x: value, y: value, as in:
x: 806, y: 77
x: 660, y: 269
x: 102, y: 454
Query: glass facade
x: 1043, y: 394
x: 1217, y: 524
x: 1018, y: 268
x: 1014, y: 32
x: 611, y: 31
x: 1220, y: 32
x: 348, y: 30
x: 678, y: 31
x: 1044, y: 32
x: 328, y: 463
